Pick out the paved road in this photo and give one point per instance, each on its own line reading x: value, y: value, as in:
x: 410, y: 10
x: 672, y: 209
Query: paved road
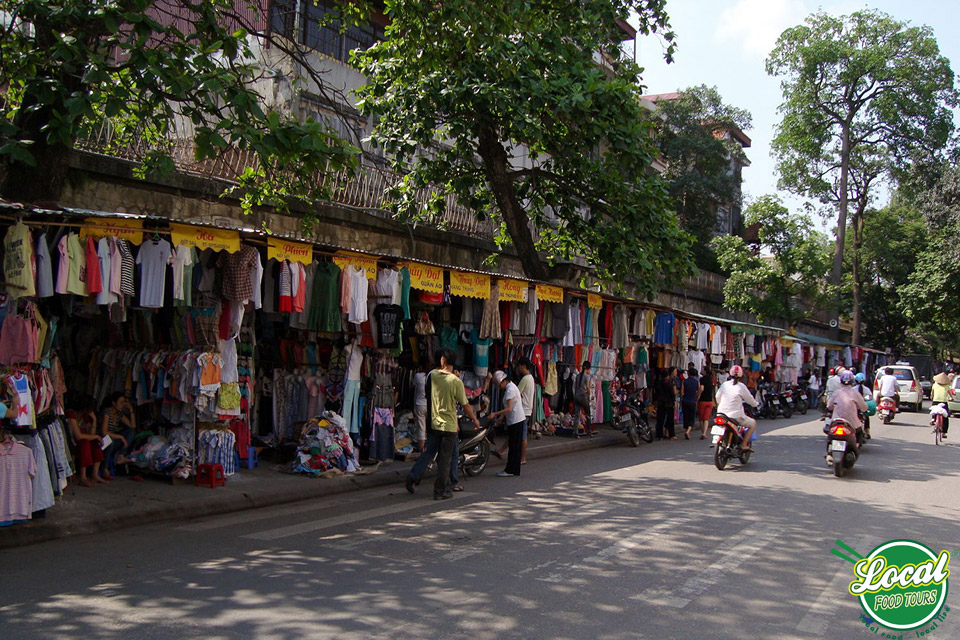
x: 612, y: 543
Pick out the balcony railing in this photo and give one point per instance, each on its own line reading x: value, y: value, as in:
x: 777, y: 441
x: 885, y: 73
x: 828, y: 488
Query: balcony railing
x: 367, y: 189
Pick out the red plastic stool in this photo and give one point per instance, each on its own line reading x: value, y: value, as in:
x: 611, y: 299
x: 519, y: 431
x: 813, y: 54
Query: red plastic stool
x: 210, y: 473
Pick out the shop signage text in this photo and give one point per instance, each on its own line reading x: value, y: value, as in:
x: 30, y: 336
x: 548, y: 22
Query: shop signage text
x: 594, y: 301
x: 130, y: 229
x: 358, y: 260
x: 470, y: 285
x: 549, y: 293
x: 424, y: 277
x: 513, y: 291
x: 205, y: 237
x: 279, y: 249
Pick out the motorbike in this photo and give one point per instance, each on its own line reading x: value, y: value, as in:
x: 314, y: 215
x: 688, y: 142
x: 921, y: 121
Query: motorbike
x: 728, y: 435
x: 843, y: 445
x: 474, y: 446
x: 797, y: 400
x: 630, y: 416
x: 886, y: 409
x: 771, y: 404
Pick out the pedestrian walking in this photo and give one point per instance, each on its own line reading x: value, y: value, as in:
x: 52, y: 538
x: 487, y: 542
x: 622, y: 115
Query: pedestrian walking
x: 512, y: 414
x: 689, y: 396
x: 420, y: 404
x: 444, y: 390
x: 666, y: 402
x: 706, y: 403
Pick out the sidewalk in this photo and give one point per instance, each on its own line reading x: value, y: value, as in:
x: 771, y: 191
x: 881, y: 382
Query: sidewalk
x: 124, y: 503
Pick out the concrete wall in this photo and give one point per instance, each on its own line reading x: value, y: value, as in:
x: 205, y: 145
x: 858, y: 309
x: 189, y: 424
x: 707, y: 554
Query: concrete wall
x: 107, y: 184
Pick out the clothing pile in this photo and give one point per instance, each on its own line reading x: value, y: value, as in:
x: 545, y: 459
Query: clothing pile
x: 168, y: 456
x: 325, y: 445
x: 405, y: 426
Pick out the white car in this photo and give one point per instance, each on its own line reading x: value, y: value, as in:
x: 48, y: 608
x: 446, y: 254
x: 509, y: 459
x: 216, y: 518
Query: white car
x: 911, y: 393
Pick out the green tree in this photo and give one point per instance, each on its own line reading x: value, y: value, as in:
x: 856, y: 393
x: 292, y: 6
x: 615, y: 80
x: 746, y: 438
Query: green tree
x: 529, y: 113
x: 698, y: 162
x: 151, y: 71
x: 784, y: 277
x: 931, y: 300
x: 892, y: 238
x: 861, y: 92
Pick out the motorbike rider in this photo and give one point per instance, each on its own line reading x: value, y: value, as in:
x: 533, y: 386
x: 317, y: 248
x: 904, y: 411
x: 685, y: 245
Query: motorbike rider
x: 833, y: 384
x: 889, y: 386
x: 847, y: 404
x: 867, y: 394
x: 730, y: 398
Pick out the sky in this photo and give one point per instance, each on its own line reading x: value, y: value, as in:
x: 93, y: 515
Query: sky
x: 724, y: 43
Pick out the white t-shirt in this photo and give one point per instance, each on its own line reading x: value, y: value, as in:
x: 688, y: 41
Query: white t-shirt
x: 256, y: 281
x: 420, y: 389
x: 516, y: 413
x: 730, y: 399
x: 354, y: 361
x: 889, y: 386
x: 153, y: 258
x: 358, y: 295
x: 183, y: 258
x: 105, y: 295
x: 527, y: 389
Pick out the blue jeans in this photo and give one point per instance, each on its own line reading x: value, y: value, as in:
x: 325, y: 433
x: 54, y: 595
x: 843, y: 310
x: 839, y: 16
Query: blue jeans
x: 428, y: 455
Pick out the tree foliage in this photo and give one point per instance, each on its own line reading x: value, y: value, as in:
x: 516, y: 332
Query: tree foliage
x: 862, y: 93
x: 152, y: 71
x: 931, y: 299
x: 785, y: 277
x: 698, y: 162
x: 539, y: 124
x: 892, y: 238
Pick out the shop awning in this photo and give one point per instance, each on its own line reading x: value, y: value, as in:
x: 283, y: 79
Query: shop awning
x: 806, y: 337
x: 737, y: 326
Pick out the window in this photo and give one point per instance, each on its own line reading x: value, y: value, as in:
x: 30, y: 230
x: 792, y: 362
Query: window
x: 319, y: 29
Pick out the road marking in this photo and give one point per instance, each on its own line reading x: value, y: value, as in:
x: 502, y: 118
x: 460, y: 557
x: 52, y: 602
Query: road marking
x: 329, y: 523
x: 818, y: 616
x: 734, y: 552
x: 640, y: 539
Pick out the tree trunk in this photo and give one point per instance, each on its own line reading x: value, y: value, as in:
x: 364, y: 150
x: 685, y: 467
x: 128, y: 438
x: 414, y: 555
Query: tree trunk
x: 837, y: 272
x: 857, y: 285
x: 496, y: 164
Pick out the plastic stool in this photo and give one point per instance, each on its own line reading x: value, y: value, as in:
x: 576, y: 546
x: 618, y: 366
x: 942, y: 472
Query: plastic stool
x: 210, y: 473
x: 252, y: 458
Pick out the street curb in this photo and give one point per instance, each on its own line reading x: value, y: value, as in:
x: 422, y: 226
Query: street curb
x: 41, y: 531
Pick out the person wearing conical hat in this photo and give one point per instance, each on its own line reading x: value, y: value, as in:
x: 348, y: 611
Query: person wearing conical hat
x: 940, y: 395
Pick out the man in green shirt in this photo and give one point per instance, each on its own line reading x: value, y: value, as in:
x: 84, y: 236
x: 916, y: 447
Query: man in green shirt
x: 444, y: 392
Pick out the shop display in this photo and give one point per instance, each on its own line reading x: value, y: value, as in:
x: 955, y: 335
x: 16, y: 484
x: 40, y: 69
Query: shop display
x: 223, y: 342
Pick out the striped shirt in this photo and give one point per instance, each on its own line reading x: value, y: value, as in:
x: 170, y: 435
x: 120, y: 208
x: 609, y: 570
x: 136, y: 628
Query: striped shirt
x: 17, y: 468
x: 126, y: 268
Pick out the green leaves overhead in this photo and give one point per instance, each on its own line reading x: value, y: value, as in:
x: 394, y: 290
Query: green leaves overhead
x: 698, y: 162
x: 784, y: 276
x: 512, y: 108
x: 125, y: 73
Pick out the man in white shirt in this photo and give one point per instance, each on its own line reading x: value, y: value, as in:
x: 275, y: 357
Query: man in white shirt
x: 512, y: 413
x: 527, y: 387
x: 730, y: 398
x: 889, y: 386
x: 420, y: 403
x: 833, y: 383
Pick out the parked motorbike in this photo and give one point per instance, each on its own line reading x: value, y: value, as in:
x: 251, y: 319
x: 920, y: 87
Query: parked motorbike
x: 630, y: 416
x: 843, y: 445
x: 474, y: 445
x: 797, y: 399
x: 886, y: 409
x: 728, y: 435
x: 771, y: 404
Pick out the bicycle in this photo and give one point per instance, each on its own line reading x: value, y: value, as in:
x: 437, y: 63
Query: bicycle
x: 938, y: 429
